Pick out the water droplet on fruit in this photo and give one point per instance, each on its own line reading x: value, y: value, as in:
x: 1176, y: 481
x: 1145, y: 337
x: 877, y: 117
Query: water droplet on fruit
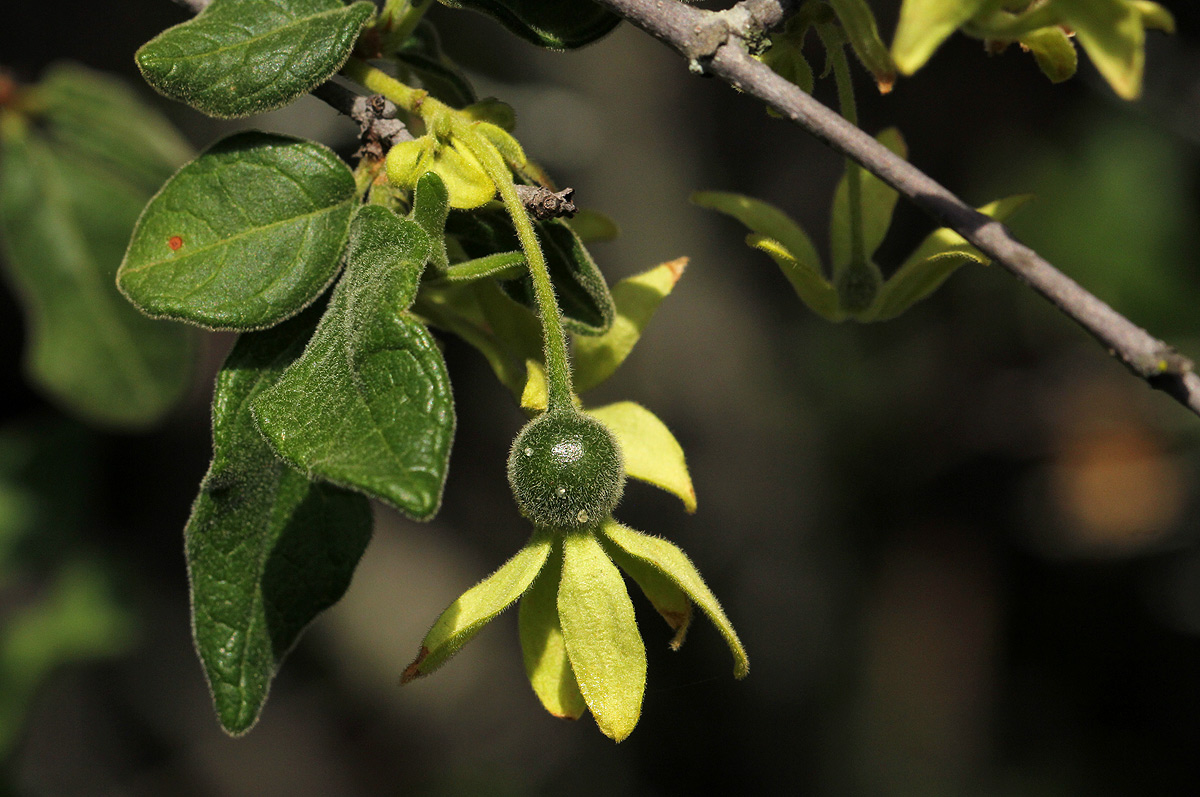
x: 561, y: 492
x: 528, y: 451
x: 582, y: 517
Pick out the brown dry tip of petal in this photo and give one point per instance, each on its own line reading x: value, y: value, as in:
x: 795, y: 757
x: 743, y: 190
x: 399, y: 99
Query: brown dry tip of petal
x: 885, y: 83
x: 677, y: 266
x: 414, y: 670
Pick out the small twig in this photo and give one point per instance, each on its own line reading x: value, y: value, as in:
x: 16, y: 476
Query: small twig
x: 714, y: 46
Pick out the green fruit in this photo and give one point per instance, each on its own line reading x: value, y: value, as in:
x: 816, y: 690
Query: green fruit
x: 566, y: 470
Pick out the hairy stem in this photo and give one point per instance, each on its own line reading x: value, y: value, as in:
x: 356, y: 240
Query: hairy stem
x: 845, y: 89
x: 558, y: 366
x: 708, y: 38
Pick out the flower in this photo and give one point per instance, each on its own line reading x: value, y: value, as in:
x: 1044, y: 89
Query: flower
x: 579, y: 638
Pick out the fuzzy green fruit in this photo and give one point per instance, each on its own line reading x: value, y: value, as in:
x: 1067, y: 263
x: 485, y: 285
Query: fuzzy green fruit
x: 566, y: 470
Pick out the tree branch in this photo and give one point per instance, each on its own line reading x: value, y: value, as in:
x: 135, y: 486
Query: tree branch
x: 713, y: 44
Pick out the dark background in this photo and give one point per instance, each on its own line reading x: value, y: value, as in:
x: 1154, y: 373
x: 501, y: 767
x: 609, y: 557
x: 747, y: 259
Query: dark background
x: 961, y: 547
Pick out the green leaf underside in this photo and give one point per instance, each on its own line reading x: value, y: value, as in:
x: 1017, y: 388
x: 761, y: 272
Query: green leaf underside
x: 103, y: 119
x: 368, y: 405
x: 764, y: 219
x: 601, y: 635
x: 476, y: 607
x: 878, y: 204
x: 241, y: 238
x: 937, y: 257
x: 65, y: 217
x: 635, y: 300
x: 554, y: 24
x: 593, y: 226
x: 667, y: 598
x: 240, y: 57
x: 582, y: 293
x: 453, y: 310
x: 542, y: 645
x: 924, y: 25
x: 674, y: 563
x: 652, y: 454
x: 267, y: 550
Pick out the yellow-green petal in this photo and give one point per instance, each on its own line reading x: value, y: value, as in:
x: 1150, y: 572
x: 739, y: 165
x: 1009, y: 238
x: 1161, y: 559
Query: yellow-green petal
x: 674, y: 563
x: 479, y: 605
x: 652, y: 454
x: 667, y: 597
x: 636, y: 298
x: 601, y: 635
x: 542, y: 644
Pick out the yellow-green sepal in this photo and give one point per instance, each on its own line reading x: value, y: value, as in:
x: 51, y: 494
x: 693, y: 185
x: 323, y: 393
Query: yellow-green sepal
x: 664, y: 594
x: 652, y: 454
x: 479, y: 605
x: 508, y: 146
x: 492, y: 110
x: 810, y: 285
x: 672, y: 562
x: 878, y: 205
x: 863, y: 34
x: 466, y: 183
x: 635, y: 298
x: 765, y: 219
x: 1054, y: 52
x: 601, y: 635
x: 941, y: 253
x: 924, y: 25
x: 542, y: 646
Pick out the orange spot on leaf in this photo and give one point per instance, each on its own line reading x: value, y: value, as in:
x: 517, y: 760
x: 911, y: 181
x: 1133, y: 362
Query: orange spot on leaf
x: 175, y: 242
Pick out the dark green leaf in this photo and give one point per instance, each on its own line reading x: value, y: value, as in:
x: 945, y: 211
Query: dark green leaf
x: 246, y: 235
x: 65, y: 221
x: 422, y: 55
x: 102, y: 118
x: 555, y: 24
x: 580, y: 288
x: 267, y: 550
x: 431, y: 203
x: 240, y: 57
x: 368, y: 406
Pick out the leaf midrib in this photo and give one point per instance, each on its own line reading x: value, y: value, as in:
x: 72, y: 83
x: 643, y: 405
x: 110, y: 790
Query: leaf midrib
x: 233, y: 238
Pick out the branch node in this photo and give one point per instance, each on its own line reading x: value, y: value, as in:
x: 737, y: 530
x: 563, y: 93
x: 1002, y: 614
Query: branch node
x: 542, y: 203
x: 379, y: 128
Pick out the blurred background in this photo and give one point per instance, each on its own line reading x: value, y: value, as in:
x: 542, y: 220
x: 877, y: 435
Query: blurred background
x: 962, y: 547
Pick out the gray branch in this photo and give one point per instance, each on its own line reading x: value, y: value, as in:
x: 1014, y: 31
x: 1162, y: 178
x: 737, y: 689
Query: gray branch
x: 713, y: 43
